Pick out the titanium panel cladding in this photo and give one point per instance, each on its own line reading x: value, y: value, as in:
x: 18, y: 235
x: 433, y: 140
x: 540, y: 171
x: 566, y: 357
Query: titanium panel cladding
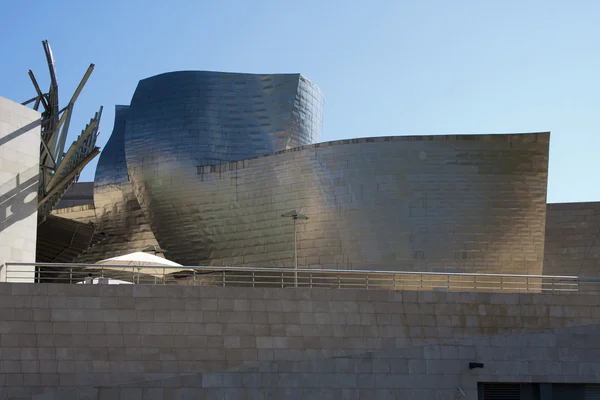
x: 184, y: 119
x: 118, y: 213
x: 207, y: 162
x: 206, y: 118
x: 460, y: 203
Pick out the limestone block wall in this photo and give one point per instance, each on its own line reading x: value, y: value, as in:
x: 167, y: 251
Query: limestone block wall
x: 424, y: 372
x: 89, y: 336
x: 572, y: 245
x: 19, y: 171
x: 432, y: 372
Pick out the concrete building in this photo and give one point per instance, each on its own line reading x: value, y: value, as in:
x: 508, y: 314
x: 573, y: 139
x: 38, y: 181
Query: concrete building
x: 19, y: 170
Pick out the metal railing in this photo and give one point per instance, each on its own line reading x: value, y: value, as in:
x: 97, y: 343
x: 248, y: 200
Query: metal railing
x: 289, y: 277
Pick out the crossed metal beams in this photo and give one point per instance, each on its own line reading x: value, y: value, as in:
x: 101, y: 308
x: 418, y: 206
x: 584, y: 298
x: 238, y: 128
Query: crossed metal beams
x: 60, y: 169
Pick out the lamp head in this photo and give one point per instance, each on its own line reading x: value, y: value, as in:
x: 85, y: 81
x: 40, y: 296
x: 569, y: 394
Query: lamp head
x: 294, y: 215
x: 154, y: 249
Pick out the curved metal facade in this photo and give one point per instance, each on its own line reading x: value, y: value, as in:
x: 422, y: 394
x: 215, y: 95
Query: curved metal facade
x: 118, y: 213
x: 181, y: 120
x: 209, y: 161
x: 434, y: 203
x: 205, y: 118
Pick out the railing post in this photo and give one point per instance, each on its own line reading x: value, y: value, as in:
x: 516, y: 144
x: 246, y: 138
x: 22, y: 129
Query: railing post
x: 253, y: 278
x: 282, y: 273
x: 527, y: 283
x: 395, y: 285
x: 339, y: 281
x: 448, y: 282
x: 310, y: 282
x: 223, y: 277
x: 194, y: 277
x: 501, y: 283
x: 367, y: 281
x: 421, y: 281
x: 71, y: 275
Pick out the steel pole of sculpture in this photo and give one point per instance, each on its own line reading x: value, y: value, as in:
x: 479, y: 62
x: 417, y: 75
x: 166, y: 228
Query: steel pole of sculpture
x: 60, y: 169
x: 294, y: 216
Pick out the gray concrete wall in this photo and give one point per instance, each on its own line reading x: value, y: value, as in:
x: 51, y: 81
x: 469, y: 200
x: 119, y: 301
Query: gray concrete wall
x: 572, y: 239
x: 19, y: 177
x: 432, y: 372
x: 85, y: 336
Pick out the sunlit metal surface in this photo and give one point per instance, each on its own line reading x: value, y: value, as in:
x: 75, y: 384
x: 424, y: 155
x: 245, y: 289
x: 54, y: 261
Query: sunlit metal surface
x: 188, y: 119
x: 118, y: 213
x: 436, y: 203
x: 308, y: 278
x: 207, y: 162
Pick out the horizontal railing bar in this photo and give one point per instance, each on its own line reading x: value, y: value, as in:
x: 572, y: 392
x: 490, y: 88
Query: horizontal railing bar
x: 302, y: 277
x: 291, y: 270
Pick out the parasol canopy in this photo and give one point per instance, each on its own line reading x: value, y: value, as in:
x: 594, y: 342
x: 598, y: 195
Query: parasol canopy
x: 142, y: 263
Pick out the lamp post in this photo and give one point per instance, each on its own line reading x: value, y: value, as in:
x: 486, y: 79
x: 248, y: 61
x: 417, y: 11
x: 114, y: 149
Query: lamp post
x: 156, y: 250
x: 294, y: 216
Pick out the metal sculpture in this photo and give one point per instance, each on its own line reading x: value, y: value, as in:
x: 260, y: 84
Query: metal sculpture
x: 60, y: 169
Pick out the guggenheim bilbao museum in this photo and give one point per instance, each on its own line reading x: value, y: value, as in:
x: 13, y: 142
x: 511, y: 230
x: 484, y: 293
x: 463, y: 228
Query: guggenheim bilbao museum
x: 204, y: 164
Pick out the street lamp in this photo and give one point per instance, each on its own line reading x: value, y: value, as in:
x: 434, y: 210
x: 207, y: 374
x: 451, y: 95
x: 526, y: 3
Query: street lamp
x: 295, y: 215
x: 154, y: 249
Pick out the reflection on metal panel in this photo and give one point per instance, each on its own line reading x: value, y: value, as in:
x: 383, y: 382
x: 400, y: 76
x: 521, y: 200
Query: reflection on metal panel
x: 205, y: 163
x: 211, y: 118
x: 472, y: 203
x: 118, y: 212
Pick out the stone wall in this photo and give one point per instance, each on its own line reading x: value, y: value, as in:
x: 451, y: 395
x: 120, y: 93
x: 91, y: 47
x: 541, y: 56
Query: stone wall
x: 19, y: 177
x: 434, y: 372
x: 89, y: 336
x: 572, y: 239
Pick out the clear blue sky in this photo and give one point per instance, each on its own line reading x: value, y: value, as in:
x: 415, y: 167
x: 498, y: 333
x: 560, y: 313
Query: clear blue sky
x: 386, y: 67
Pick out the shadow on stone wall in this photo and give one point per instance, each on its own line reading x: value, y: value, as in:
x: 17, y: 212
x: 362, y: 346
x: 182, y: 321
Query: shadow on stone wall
x: 18, y: 202
x: 20, y: 131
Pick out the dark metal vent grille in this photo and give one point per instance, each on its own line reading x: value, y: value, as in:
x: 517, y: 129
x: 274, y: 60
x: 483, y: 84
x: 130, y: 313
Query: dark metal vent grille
x: 501, y: 391
x: 591, y: 392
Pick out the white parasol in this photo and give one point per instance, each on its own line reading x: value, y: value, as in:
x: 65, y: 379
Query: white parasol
x: 142, y: 263
x: 109, y: 281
